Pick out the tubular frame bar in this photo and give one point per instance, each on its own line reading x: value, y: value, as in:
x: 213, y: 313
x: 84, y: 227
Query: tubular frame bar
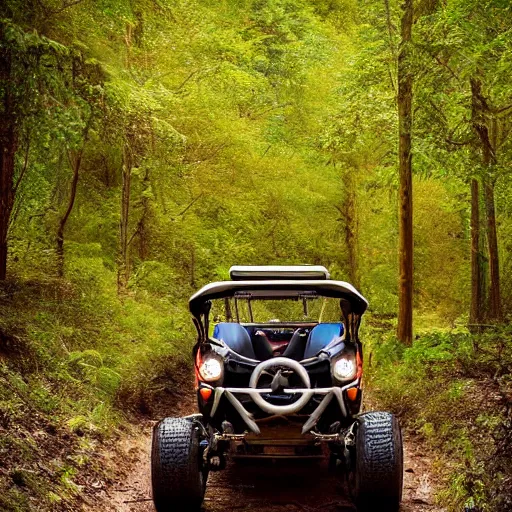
x: 329, y: 393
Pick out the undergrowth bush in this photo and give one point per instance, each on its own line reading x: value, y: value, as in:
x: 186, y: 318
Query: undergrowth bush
x: 75, y: 360
x: 454, y: 389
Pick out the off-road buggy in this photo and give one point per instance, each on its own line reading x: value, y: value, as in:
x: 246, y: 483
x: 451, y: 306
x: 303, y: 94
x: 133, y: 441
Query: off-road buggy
x: 278, y: 389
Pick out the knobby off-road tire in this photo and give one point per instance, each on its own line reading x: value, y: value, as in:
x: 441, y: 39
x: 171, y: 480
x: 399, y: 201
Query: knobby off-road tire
x: 177, y: 476
x: 379, y: 463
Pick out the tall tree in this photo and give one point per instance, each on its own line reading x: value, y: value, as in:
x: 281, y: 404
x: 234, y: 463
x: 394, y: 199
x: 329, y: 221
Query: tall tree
x: 348, y: 211
x: 8, y: 147
x: 485, y: 126
x: 123, y: 272
x: 404, y: 101
x: 75, y: 162
x: 472, y: 94
x: 476, y: 308
x: 28, y: 63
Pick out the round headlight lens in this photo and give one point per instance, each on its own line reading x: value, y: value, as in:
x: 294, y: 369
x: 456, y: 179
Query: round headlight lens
x: 211, y: 369
x: 345, y: 368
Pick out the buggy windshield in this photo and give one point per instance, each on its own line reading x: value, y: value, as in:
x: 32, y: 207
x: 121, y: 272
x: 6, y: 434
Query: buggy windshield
x: 265, y: 311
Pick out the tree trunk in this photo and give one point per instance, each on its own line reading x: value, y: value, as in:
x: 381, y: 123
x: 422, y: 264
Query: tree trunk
x: 128, y: 43
x: 404, y: 100
x: 143, y: 223
x: 476, y: 311
x: 480, y: 114
x: 75, y: 161
x: 495, y: 312
x: 8, y: 147
x: 123, y: 271
x: 349, y: 214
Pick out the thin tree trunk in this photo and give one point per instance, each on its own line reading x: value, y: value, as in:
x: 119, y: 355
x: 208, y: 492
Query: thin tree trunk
x: 495, y: 312
x: 476, y: 312
x: 480, y: 115
x: 392, y: 47
x: 349, y: 215
x: 75, y: 161
x: 227, y: 308
x: 123, y: 267
x: 128, y: 43
x: 17, y: 197
x: 404, y: 100
x: 106, y: 171
x: 8, y: 148
x: 143, y: 228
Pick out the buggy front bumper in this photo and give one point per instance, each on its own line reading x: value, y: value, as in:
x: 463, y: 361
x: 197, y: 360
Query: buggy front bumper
x: 307, y: 394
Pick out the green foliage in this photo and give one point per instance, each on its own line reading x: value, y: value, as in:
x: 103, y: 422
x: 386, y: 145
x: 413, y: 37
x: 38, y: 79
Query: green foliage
x: 232, y: 112
x: 451, y: 388
x: 75, y: 362
x: 250, y: 128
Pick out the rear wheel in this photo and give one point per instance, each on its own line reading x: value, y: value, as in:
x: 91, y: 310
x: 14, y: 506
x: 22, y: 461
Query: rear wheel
x: 378, y: 474
x: 177, y: 474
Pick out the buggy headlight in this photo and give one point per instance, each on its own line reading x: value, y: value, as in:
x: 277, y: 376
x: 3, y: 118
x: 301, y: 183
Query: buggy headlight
x: 211, y: 369
x: 345, y: 368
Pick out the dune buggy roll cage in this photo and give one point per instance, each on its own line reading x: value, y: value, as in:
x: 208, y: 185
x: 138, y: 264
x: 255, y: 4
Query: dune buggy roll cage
x: 352, y: 303
x: 278, y: 390
x: 280, y: 283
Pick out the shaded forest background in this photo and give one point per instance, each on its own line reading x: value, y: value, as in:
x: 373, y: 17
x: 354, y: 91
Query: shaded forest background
x: 147, y: 145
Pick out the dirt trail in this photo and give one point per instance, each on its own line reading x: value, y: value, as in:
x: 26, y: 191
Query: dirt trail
x: 282, y: 487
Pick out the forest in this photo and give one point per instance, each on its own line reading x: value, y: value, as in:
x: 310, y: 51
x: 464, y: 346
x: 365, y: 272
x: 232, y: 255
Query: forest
x: 148, y: 145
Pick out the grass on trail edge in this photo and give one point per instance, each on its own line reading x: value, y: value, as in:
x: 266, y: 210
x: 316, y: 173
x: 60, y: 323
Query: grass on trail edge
x: 454, y: 389
x: 76, y: 364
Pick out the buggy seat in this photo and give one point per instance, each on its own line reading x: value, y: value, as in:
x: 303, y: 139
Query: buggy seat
x: 320, y: 336
x: 257, y: 346
x: 235, y: 337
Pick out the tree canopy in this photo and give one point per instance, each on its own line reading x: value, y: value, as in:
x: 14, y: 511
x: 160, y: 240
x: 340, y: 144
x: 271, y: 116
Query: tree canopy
x: 148, y: 145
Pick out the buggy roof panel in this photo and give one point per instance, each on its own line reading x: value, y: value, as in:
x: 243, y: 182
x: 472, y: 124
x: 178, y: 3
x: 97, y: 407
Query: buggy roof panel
x: 278, y: 289
x: 266, y: 272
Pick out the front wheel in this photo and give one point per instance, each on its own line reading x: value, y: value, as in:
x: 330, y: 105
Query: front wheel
x: 177, y: 475
x: 379, y: 463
